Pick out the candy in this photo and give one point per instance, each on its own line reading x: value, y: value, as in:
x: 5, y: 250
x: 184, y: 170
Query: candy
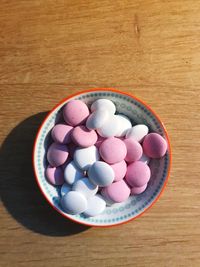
x: 97, y: 119
x: 103, y: 104
x: 72, y: 173
x: 134, y: 150
x: 113, y: 150
x: 110, y: 127
x: 96, y: 206
x: 84, y: 137
x: 88, y: 184
x: 138, y: 132
x: 74, y: 202
x: 55, y: 175
x: 61, y: 133
x: 124, y: 125
x: 154, y: 145
x: 85, y: 157
x: 100, y: 173
x: 65, y: 189
x: 75, y: 112
x: 138, y: 190
x: 117, y: 192
x: 138, y: 174
x: 119, y: 169
x: 85, y: 187
x: 57, y: 154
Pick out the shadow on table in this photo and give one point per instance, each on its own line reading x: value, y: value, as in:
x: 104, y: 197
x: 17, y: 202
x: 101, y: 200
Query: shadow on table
x: 18, y: 189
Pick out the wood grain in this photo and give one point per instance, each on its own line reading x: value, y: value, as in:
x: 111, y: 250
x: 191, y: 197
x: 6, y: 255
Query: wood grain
x: 52, y: 48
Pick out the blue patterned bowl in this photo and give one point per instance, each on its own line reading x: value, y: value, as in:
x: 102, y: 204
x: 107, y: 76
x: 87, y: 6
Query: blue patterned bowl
x: 138, y: 112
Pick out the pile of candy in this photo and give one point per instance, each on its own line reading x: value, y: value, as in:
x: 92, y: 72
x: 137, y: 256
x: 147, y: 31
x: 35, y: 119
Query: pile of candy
x: 99, y: 158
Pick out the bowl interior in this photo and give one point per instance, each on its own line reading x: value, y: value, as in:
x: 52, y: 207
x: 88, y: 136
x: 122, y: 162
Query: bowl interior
x: 118, y: 213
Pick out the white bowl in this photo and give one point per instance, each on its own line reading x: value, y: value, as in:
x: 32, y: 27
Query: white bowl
x: 138, y: 112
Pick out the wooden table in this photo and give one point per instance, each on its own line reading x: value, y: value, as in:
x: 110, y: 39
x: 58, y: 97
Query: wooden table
x: 50, y: 49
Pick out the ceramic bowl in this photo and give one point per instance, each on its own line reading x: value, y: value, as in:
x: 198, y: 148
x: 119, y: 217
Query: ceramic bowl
x: 138, y: 112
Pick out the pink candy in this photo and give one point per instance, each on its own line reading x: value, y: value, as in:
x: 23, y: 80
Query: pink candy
x: 61, y: 133
x: 134, y: 150
x: 84, y: 137
x: 154, y: 145
x: 113, y: 150
x: 138, y: 174
x: 75, y: 112
x: 117, y: 192
x: 57, y: 154
x: 55, y: 175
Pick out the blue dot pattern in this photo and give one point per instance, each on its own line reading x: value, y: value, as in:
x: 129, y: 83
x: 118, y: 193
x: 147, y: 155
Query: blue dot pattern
x: 115, y: 212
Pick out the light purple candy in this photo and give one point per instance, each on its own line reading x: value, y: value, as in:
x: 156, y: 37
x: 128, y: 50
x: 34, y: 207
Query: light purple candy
x: 61, y: 133
x: 55, y: 175
x: 138, y: 174
x: 154, y: 145
x: 57, y: 154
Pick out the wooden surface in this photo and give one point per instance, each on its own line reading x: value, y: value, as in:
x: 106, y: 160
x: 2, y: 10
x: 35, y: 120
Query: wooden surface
x: 52, y: 48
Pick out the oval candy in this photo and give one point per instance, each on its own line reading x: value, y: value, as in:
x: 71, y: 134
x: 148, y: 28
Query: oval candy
x: 57, y: 154
x: 100, y: 173
x: 74, y: 203
x: 75, y: 112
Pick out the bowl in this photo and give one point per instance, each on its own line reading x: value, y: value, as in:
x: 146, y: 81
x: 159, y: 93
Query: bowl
x: 138, y: 112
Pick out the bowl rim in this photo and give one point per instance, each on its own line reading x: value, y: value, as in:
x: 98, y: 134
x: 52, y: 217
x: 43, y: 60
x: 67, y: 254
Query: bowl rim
x: 95, y: 90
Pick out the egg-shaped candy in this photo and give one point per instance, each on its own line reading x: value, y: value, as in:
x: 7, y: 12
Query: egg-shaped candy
x: 138, y: 132
x: 97, y: 119
x: 104, y: 104
x: 61, y: 133
x: 124, y: 125
x: 57, y: 154
x: 154, y: 145
x: 138, y: 174
x: 54, y: 175
x: 110, y: 127
x: 84, y: 137
x: 96, y: 205
x: 85, y: 157
x: 72, y: 173
x: 74, y: 203
x: 100, y: 173
x: 75, y: 112
x: 113, y: 150
x: 118, y: 191
x: 85, y: 187
x: 134, y: 150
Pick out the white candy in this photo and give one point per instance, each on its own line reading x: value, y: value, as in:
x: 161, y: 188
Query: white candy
x: 100, y: 173
x: 96, y: 206
x: 72, y: 173
x: 85, y: 157
x: 74, y: 203
x: 124, y: 125
x: 97, y: 119
x: 137, y: 132
x: 104, y: 104
x: 144, y: 159
x: 65, y: 189
x: 110, y: 127
x: 85, y: 187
